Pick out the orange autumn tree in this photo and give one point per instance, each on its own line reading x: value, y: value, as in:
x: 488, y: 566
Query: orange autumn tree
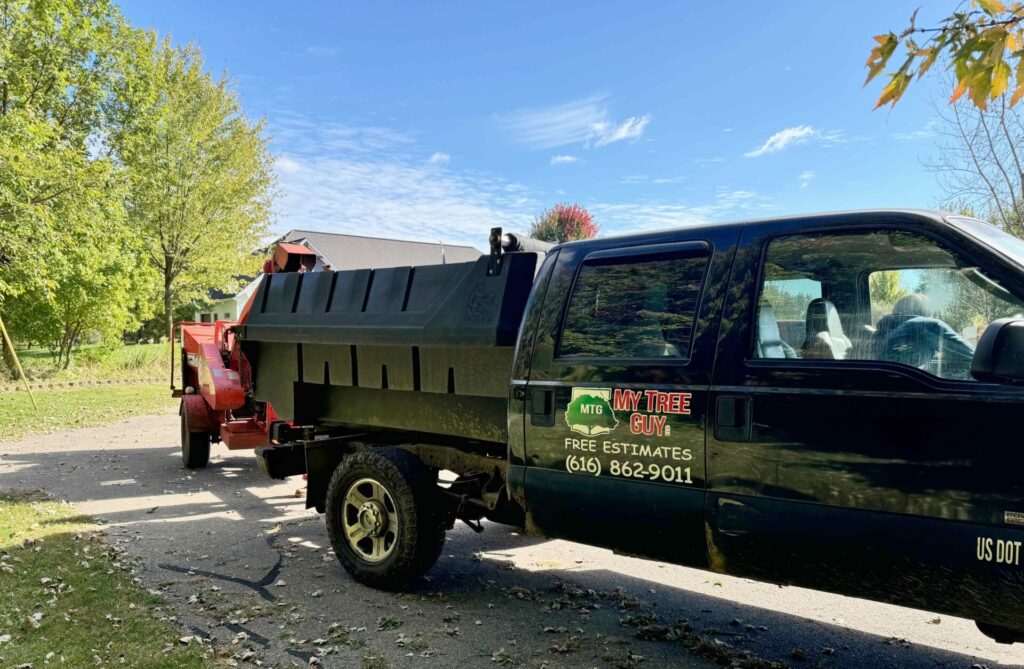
x: 563, y: 223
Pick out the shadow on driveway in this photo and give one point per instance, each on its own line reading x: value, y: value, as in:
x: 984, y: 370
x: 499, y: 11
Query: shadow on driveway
x: 240, y: 554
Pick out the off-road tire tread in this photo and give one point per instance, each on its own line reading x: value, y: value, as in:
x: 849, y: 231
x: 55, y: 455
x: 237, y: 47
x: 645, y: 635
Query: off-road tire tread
x: 195, y: 447
x: 413, y: 487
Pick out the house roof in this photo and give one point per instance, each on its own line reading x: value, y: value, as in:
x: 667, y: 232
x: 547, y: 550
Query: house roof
x: 216, y: 294
x: 358, y: 252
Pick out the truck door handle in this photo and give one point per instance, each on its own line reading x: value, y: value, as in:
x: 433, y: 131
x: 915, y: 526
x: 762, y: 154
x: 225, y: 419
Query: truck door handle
x: 732, y: 418
x: 542, y: 407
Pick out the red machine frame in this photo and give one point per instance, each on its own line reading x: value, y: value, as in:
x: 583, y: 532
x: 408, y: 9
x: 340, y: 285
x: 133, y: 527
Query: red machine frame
x: 215, y: 376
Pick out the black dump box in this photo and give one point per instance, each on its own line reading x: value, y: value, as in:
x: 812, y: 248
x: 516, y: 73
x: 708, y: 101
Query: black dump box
x: 423, y: 349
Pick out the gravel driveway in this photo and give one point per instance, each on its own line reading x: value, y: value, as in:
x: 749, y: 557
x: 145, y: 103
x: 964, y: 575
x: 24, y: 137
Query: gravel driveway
x: 244, y: 564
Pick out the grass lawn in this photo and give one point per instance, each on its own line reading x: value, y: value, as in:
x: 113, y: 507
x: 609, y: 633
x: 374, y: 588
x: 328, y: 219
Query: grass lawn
x: 67, y: 599
x: 78, y: 407
x: 96, y: 362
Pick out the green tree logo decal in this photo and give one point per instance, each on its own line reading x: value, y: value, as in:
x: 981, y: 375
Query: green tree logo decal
x: 590, y: 413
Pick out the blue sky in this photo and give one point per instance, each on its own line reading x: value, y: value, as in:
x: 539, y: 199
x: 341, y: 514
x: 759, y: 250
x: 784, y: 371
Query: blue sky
x: 438, y: 120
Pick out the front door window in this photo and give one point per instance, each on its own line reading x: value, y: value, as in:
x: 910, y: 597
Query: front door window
x: 892, y: 296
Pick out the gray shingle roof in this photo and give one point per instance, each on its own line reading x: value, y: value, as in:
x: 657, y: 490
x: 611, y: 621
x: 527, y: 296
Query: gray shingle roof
x: 358, y: 252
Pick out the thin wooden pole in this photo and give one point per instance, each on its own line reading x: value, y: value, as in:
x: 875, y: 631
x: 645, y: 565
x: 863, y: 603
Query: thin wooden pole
x: 17, y: 364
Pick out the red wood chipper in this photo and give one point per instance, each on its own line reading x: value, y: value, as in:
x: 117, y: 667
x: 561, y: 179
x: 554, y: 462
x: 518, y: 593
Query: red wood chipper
x: 216, y: 398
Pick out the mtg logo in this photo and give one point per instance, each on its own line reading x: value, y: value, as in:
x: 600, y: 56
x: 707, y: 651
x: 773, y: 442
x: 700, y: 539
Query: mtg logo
x: 590, y: 412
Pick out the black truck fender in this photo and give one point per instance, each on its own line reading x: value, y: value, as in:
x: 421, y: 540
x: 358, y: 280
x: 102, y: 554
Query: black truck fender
x: 322, y: 458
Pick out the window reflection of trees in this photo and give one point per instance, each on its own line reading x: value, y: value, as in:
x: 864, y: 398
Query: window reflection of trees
x: 643, y: 308
x: 956, y: 301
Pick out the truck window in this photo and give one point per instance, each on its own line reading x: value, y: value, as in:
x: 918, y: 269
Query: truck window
x: 925, y: 307
x: 633, y: 307
x: 790, y: 298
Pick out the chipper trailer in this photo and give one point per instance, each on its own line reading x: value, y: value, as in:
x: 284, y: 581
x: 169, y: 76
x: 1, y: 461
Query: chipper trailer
x: 216, y: 398
x: 732, y: 397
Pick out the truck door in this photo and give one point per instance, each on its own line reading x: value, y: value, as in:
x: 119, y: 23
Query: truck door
x: 616, y: 393
x: 850, y: 449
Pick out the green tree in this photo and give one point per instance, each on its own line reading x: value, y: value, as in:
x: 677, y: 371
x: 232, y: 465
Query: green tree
x: 885, y: 289
x: 201, y: 179
x: 63, y: 79
x: 984, y: 43
x: 563, y: 223
x: 99, y: 291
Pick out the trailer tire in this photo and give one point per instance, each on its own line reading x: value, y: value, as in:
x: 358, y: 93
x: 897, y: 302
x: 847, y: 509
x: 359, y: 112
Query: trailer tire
x: 401, y: 515
x: 195, y: 446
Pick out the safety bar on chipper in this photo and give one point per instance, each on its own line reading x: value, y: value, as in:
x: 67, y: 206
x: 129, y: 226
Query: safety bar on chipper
x: 175, y: 392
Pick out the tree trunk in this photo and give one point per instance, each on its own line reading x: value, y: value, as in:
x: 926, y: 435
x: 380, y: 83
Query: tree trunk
x: 7, y: 368
x: 169, y: 299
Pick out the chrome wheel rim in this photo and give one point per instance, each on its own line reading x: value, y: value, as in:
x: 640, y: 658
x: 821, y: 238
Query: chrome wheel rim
x: 369, y: 520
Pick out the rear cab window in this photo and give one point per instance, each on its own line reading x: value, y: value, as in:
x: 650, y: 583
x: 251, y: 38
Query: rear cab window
x: 635, y: 305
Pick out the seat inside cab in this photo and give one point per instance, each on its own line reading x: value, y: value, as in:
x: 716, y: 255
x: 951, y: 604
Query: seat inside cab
x: 893, y: 296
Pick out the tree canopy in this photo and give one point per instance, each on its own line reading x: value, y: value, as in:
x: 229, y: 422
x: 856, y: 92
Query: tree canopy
x: 563, y: 223
x: 200, y: 179
x: 66, y: 249
x: 115, y: 150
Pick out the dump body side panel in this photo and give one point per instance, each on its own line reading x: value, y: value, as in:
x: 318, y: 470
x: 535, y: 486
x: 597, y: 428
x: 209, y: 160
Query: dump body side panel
x: 418, y: 349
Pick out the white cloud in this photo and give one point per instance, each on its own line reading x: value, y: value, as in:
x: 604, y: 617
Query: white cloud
x: 439, y: 158
x: 707, y: 161
x: 725, y: 203
x: 563, y: 159
x: 311, y: 135
x: 633, y: 217
x: 782, y: 139
x: 803, y: 134
x: 631, y: 128
x: 286, y: 165
x: 643, y: 179
x: 585, y: 121
x: 331, y: 180
x: 915, y: 135
x: 397, y: 198
x: 805, y: 178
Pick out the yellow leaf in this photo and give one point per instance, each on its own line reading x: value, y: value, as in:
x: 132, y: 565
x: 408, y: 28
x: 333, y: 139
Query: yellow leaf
x: 1016, y: 95
x: 1013, y: 41
x: 991, y: 6
x: 1000, y: 79
x: 894, y: 90
x: 930, y: 54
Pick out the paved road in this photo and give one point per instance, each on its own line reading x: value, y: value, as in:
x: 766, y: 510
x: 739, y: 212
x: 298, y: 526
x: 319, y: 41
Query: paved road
x: 242, y: 562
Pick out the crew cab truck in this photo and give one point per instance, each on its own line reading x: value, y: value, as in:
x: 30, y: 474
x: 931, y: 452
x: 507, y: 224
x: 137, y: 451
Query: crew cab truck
x: 833, y: 401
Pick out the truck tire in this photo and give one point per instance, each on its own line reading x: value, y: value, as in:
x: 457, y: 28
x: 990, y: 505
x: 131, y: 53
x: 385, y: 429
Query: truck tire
x: 195, y: 446
x: 1000, y: 634
x: 384, y: 517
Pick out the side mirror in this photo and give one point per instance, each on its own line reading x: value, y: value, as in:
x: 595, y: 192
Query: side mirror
x: 1000, y: 353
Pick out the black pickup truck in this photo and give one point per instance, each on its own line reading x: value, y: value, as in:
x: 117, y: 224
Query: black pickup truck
x: 834, y: 401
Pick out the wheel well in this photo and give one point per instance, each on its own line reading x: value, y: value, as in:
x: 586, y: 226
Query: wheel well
x: 322, y: 458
